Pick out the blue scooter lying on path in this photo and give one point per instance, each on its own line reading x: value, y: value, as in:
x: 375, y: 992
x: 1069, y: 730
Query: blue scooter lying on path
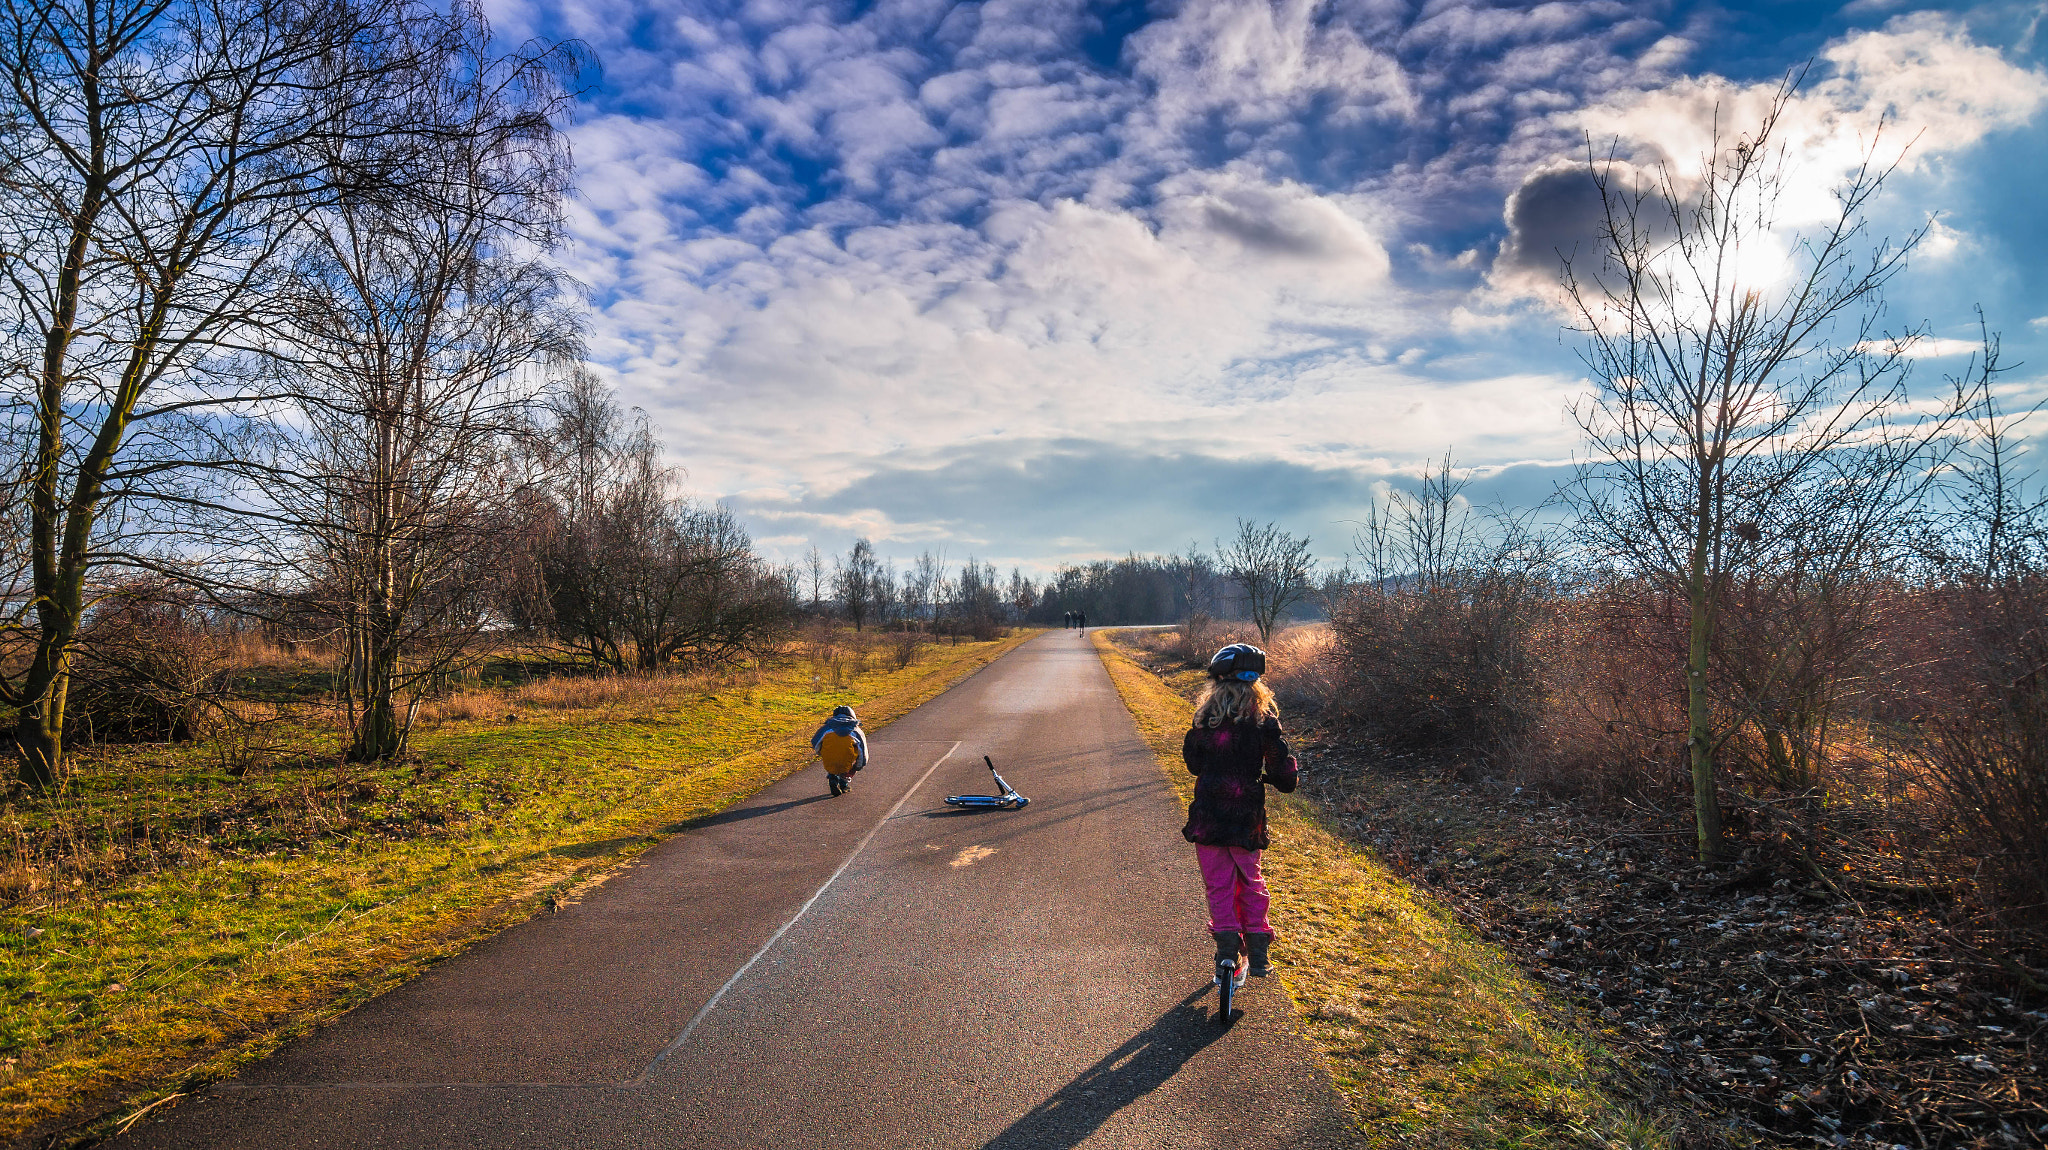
x: 1009, y: 800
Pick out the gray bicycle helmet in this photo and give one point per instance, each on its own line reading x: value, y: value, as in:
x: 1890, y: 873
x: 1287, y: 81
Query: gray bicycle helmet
x: 1240, y: 661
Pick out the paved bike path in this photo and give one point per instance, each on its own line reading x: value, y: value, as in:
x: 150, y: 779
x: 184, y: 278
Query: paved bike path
x: 878, y: 970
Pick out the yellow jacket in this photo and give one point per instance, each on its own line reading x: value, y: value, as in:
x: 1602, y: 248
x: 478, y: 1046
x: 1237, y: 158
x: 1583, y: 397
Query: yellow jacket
x: 844, y: 751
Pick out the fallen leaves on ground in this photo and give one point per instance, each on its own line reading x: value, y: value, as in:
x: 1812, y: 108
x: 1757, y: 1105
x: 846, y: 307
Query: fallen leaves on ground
x: 1794, y: 1013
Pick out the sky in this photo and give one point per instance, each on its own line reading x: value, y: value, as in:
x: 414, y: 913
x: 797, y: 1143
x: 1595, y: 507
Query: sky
x: 1044, y: 282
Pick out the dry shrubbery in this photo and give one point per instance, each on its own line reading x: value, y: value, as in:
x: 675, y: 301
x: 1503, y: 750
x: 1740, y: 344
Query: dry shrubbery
x: 153, y: 665
x: 1451, y: 666
x: 1980, y: 725
x: 1918, y: 761
x: 155, y: 668
x: 1886, y: 725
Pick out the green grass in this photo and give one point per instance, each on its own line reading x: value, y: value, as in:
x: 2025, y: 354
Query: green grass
x: 222, y: 915
x: 1434, y: 1037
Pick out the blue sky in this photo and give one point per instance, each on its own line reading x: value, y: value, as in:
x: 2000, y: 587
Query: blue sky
x: 1050, y: 281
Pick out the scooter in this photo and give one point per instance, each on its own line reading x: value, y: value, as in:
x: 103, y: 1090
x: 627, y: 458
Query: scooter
x: 1229, y: 980
x: 1009, y: 800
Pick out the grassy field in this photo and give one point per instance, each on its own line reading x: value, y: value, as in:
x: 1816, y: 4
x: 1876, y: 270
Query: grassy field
x: 178, y: 911
x: 1434, y: 1037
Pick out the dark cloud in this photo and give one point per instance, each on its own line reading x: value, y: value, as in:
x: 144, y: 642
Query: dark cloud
x: 1553, y: 217
x: 1556, y: 216
x: 1262, y: 234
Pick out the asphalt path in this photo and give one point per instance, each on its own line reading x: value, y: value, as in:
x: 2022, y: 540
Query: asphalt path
x: 877, y: 970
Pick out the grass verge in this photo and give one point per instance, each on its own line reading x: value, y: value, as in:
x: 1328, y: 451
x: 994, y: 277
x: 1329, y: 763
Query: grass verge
x: 173, y: 977
x: 1434, y: 1037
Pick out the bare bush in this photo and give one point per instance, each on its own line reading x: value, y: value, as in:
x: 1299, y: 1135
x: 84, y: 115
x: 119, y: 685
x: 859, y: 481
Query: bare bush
x: 1302, y: 667
x: 1982, y: 700
x: 150, y: 668
x: 1449, y: 667
x: 906, y: 646
x: 1438, y: 641
x: 1614, y: 729
x: 1196, y: 640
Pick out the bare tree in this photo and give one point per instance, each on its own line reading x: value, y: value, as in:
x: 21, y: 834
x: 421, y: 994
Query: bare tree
x: 412, y: 352
x: 978, y: 599
x: 1727, y: 398
x: 886, y: 594
x: 1273, y: 568
x: 159, y: 158
x: 813, y: 572
x: 632, y: 575
x: 1022, y: 593
x: 857, y: 582
x: 1997, y: 530
x: 1194, y: 589
x: 1422, y: 538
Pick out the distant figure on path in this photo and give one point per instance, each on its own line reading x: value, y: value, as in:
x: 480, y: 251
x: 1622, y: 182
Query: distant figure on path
x: 1235, y: 750
x: 843, y: 747
x: 1081, y: 619
x: 1067, y: 621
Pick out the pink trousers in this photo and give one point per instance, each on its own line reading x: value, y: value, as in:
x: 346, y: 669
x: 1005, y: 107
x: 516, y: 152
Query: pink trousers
x: 1237, y: 891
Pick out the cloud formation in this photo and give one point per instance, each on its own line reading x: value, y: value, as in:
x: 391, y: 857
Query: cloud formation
x: 874, y: 267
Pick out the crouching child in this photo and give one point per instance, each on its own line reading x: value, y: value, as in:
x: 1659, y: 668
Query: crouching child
x: 843, y: 747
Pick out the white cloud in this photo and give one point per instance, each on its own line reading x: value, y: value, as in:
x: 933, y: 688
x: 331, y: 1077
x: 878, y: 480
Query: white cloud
x: 1260, y: 63
x: 1926, y: 347
x: 1917, y: 90
x: 828, y: 245
x: 1917, y: 93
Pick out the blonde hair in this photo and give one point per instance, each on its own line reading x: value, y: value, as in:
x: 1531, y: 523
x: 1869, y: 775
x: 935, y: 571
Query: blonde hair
x: 1229, y: 701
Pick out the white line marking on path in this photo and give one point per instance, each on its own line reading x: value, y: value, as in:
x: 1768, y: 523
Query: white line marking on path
x: 675, y: 1045
x: 712, y: 1004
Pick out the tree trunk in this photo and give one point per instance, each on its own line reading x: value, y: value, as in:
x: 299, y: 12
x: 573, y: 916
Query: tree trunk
x: 1706, y: 804
x: 1777, y: 751
x: 39, y: 736
x: 378, y: 731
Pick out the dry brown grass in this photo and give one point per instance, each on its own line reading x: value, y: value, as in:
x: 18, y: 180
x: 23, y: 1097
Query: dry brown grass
x: 580, y: 693
x: 1299, y: 661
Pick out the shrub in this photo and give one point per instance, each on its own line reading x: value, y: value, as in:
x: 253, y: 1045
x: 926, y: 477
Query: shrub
x: 1984, y: 733
x: 1450, y: 667
x: 149, y: 668
x: 906, y: 646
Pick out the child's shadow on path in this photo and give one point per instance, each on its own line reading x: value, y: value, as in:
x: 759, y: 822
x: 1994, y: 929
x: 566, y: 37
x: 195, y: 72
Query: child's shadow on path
x: 1123, y: 1076
x: 739, y: 815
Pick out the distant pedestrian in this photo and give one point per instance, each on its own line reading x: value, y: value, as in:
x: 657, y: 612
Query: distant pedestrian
x: 1067, y: 621
x: 1235, y: 750
x: 1081, y: 619
x: 843, y: 747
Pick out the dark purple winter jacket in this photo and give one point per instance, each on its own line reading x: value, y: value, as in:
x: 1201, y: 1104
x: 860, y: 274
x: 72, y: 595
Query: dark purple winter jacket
x: 1232, y: 765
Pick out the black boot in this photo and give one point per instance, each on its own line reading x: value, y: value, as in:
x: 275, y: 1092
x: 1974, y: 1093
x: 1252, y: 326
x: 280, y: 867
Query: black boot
x: 1227, y: 944
x: 1257, y: 944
